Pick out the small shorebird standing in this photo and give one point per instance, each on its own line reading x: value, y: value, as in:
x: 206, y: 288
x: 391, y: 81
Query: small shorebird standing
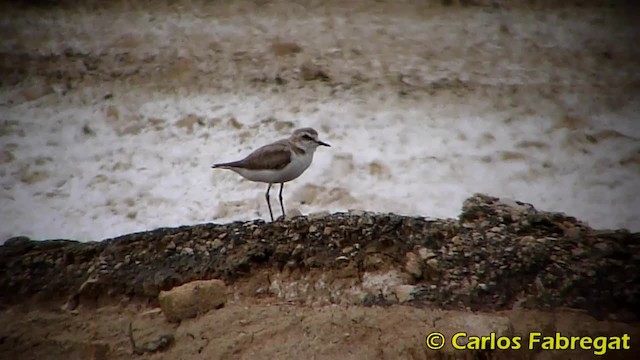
x: 278, y: 162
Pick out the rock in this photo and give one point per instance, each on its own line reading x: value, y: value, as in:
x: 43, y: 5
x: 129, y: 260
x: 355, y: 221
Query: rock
x: 191, y: 299
x: 186, y: 251
x: 425, y: 254
x: 17, y: 241
x: 382, y: 283
x: 406, y: 293
x: 432, y: 264
x: 482, y: 206
x: 297, y: 251
x: 216, y: 244
x: 413, y: 265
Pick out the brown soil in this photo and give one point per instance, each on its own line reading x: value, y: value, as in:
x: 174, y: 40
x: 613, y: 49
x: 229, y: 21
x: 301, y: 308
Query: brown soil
x: 270, y: 329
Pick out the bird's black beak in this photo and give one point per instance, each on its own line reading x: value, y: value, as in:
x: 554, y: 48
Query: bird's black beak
x: 323, y: 143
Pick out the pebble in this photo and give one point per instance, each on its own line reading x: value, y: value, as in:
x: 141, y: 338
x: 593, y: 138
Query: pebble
x: 413, y: 264
x: 425, y: 253
x: 433, y: 264
x: 297, y: 250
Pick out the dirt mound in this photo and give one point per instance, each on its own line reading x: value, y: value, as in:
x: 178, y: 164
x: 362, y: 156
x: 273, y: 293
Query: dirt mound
x: 496, y: 255
x: 328, y: 274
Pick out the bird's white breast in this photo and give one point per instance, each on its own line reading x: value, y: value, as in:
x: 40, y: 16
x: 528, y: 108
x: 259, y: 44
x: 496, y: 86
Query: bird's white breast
x: 298, y: 164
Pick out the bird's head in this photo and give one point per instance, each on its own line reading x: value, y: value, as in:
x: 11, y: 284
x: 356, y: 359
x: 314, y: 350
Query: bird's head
x: 307, y: 138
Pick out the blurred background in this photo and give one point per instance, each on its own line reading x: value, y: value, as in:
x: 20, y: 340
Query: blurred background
x: 111, y: 113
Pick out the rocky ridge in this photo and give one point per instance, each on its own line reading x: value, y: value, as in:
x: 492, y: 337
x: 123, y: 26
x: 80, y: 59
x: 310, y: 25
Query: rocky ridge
x: 499, y: 254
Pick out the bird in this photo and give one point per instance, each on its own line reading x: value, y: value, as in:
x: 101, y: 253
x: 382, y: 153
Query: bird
x: 278, y: 162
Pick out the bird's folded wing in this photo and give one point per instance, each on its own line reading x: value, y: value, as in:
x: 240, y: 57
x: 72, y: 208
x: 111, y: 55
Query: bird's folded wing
x: 269, y: 157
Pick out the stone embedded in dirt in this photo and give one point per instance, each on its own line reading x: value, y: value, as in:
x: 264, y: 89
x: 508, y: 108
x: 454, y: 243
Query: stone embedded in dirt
x: 382, y: 283
x: 406, y: 293
x: 425, y: 254
x: 413, y: 265
x: 191, y: 299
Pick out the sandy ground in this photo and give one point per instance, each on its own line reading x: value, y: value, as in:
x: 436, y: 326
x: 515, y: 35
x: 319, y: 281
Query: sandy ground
x: 112, y: 116
x: 267, y: 329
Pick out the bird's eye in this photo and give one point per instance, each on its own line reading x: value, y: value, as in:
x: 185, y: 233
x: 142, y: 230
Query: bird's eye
x: 307, y: 137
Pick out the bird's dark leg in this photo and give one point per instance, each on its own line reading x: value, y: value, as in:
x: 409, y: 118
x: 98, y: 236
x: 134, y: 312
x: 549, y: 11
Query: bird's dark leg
x: 269, y: 201
x: 281, y: 204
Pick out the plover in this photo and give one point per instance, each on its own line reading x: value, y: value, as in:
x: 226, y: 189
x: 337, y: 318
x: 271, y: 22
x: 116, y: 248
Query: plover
x: 278, y: 162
